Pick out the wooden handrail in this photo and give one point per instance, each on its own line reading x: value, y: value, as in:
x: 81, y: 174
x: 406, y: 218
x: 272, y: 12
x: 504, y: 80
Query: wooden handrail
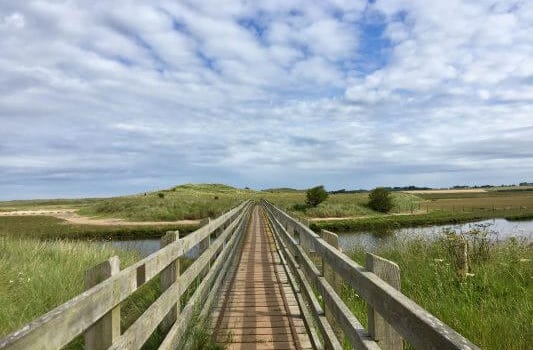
x: 420, y: 328
x: 58, y: 327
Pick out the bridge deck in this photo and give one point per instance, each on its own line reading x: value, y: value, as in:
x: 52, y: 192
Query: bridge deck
x: 258, y: 309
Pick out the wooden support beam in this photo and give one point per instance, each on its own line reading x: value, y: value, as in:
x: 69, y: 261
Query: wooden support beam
x: 168, y: 276
x: 382, y: 332
x: 103, y: 332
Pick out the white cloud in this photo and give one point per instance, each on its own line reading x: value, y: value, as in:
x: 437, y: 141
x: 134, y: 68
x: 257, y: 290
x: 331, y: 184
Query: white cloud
x: 14, y: 20
x: 263, y: 93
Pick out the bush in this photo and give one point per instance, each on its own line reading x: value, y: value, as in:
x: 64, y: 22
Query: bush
x: 316, y: 195
x: 161, y: 195
x: 380, y: 199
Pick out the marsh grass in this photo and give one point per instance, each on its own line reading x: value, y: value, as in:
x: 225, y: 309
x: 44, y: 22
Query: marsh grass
x: 46, y: 227
x: 37, y: 276
x: 210, y: 200
x: 391, y: 222
x: 493, y: 307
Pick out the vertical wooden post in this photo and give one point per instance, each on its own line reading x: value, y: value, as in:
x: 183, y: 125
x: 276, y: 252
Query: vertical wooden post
x: 461, y: 257
x: 378, y: 328
x: 168, y: 276
x: 332, y: 278
x: 103, y: 332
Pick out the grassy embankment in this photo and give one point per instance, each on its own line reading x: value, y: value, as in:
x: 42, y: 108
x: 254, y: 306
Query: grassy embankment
x: 46, y: 204
x: 200, y: 201
x: 46, y: 227
x: 30, y: 287
x: 444, y: 208
x: 493, y: 307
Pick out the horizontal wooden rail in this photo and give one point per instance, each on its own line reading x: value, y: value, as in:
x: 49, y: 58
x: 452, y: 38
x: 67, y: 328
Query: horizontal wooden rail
x: 58, y: 327
x: 413, y: 323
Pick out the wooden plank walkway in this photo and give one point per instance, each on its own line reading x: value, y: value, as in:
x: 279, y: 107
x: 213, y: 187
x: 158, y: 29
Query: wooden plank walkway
x: 258, y: 309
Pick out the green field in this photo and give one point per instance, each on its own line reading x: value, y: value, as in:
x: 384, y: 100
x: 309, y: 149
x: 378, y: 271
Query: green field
x: 493, y: 307
x: 501, y: 284
x: 53, y: 275
x: 46, y: 227
x: 200, y: 201
x: 210, y: 200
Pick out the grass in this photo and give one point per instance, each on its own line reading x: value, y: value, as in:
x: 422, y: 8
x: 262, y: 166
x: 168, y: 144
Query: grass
x: 178, y: 203
x: 30, y: 287
x: 487, y: 200
x: 38, y: 275
x: 210, y: 200
x: 432, y: 218
x: 46, y: 204
x: 45, y: 227
x: 493, y: 307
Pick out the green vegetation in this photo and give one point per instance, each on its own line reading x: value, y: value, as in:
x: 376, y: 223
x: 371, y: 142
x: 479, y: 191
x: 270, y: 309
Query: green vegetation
x: 53, y: 275
x: 316, y: 195
x: 46, y: 227
x: 48, y: 204
x: 380, y: 200
x: 493, y: 307
x: 178, y: 203
x: 390, y: 222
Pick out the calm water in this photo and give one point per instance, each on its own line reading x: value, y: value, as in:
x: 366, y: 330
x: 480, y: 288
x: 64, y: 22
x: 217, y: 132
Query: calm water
x: 144, y: 246
x: 370, y: 240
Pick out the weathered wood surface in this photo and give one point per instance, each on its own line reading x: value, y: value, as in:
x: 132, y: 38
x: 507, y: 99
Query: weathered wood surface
x: 59, y: 326
x: 416, y: 325
x: 137, y: 334
x: 329, y: 337
x: 168, y: 276
x: 344, y: 319
x: 101, y: 334
x: 379, y: 329
x: 214, y: 276
x: 258, y: 310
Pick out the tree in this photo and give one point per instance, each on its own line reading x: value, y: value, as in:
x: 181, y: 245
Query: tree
x: 316, y: 195
x: 380, y: 199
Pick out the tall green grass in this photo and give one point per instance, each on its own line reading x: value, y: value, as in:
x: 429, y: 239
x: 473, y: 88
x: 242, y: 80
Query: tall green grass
x: 493, y: 307
x: 210, y: 200
x: 46, y: 227
x: 37, y: 276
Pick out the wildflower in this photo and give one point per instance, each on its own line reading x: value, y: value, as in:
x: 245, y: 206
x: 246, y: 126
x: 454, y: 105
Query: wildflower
x: 470, y: 274
x: 438, y: 260
x: 11, y: 281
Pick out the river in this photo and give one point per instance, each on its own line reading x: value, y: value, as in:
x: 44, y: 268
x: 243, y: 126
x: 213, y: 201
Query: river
x: 372, y: 240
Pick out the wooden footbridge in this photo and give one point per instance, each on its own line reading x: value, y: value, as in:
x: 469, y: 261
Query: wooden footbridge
x: 264, y: 279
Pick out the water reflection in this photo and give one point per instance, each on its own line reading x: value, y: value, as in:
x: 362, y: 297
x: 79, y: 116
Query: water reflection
x: 143, y: 246
x: 373, y: 239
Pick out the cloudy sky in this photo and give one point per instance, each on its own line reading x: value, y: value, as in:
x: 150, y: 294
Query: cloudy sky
x: 114, y: 97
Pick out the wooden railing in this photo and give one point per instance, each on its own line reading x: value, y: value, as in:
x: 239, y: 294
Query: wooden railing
x: 316, y: 268
x: 96, y: 312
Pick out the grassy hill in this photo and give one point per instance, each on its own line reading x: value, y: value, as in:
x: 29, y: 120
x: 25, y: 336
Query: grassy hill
x: 197, y: 201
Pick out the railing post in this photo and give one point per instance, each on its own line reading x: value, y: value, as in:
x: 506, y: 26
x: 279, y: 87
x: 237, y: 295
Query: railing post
x: 168, y: 276
x: 103, y: 332
x: 332, y: 278
x: 203, y: 245
x: 378, y: 328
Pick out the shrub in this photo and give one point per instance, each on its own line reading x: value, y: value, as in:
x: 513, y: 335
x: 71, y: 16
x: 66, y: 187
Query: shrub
x: 161, y: 195
x: 380, y: 199
x: 316, y: 195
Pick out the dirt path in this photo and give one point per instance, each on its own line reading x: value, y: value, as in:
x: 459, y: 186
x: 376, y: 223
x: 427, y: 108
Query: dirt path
x: 71, y: 216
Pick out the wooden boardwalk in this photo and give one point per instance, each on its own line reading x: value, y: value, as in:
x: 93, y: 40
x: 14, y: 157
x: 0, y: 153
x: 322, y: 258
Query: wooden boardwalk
x: 258, y: 309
